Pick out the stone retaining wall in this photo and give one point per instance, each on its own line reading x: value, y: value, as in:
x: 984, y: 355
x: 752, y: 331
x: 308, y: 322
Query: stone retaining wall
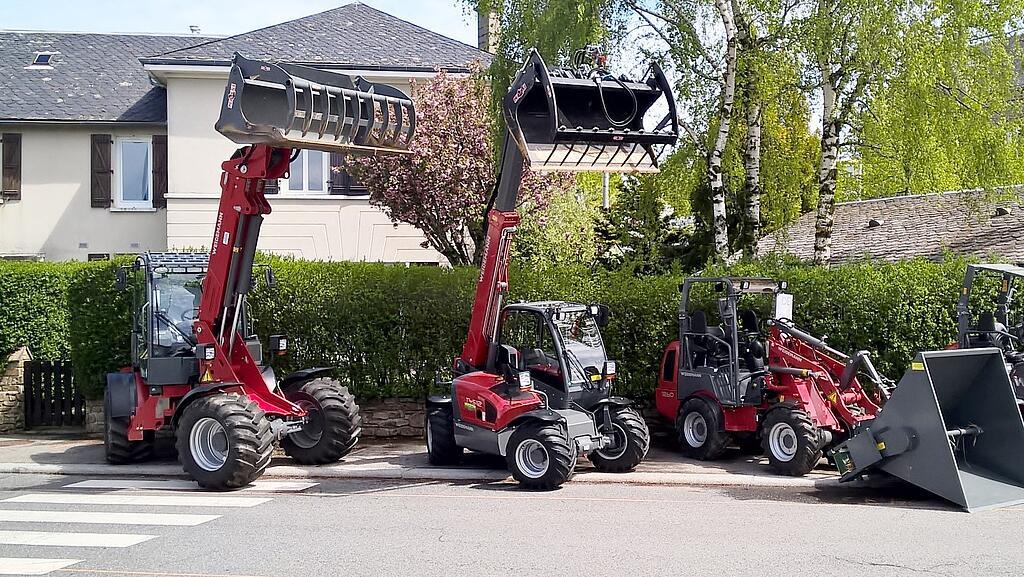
x: 395, y: 417
x: 94, y: 416
x: 12, y: 391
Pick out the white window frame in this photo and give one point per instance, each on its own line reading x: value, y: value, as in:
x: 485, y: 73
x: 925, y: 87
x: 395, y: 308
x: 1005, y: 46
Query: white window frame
x: 119, y: 202
x: 284, y: 184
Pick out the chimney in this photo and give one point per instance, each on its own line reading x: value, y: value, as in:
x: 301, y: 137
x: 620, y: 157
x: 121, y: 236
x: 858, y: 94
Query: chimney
x: 487, y: 31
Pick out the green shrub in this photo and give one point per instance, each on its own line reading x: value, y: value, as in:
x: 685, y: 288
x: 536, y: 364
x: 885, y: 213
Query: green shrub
x: 393, y: 331
x: 33, y: 307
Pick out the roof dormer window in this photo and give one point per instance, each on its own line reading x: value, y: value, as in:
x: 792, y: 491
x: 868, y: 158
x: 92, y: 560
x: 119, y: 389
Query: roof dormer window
x: 42, y: 60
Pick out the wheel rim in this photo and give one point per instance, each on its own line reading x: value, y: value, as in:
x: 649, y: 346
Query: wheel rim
x: 313, y: 429
x: 622, y: 442
x: 695, y: 429
x: 208, y: 442
x: 532, y: 458
x: 783, y: 442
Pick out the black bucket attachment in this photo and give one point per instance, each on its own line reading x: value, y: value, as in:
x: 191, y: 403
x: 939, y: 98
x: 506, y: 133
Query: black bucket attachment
x: 589, y: 120
x: 950, y: 427
x: 291, y: 106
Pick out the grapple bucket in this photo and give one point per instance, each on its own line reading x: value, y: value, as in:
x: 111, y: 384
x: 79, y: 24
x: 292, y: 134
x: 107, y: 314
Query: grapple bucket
x: 569, y: 120
x: 291, y: 106
x: 950, y: 427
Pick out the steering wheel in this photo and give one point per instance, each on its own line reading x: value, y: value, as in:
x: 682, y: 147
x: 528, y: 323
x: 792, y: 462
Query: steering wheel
x: 189, y: 315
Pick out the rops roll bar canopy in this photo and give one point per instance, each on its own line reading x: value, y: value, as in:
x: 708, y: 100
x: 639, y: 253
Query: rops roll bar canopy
x: 291, y: 106
x: 586, y: 119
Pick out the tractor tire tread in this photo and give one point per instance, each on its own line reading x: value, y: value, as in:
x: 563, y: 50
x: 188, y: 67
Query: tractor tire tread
x: 342, y: 423
x: 809, y: 452
x: 638, y: 439
x: 442, y: 450
x: 717, y: 439
x: 562, y: 455
x: 250, y: 440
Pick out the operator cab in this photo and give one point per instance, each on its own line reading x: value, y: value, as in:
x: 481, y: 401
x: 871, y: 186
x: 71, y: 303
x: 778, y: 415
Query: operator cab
x: 560, y: 345
x: 166, y: 290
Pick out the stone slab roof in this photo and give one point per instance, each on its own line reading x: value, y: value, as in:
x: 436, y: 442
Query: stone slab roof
x: 353, y: 36
x: 926, y: 226
x: 93, y: 77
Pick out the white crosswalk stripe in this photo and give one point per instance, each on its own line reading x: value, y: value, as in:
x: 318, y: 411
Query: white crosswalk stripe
x: 32, y: 566
x: 183, y: 485
x: 173, y: 494
x: 45, y: 538
x: 102, y: 517
x: 140, y: 500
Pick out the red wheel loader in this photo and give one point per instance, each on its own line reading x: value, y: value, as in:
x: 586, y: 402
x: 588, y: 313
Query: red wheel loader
x: 533, y: 383
x: 950, y: 426
x: 196, y: 369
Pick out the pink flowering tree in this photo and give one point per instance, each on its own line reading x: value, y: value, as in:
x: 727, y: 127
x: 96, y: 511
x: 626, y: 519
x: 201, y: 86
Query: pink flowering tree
x: 442, y: 188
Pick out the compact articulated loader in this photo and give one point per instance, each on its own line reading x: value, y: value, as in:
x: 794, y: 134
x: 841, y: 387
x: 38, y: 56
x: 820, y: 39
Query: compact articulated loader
x: 196, y: 368
x: 950, y: 426
x: 533, y: 382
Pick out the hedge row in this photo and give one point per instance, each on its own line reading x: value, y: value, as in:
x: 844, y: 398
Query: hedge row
x: 393, y: 330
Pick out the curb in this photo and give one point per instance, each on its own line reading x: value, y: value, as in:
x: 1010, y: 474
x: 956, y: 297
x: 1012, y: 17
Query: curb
x: 432, y: 474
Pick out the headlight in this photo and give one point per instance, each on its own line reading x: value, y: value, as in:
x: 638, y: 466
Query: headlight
x: 525, y: 381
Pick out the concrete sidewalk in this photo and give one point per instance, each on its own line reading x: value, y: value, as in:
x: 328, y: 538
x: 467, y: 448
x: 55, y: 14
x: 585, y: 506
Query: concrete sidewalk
x: 70, y: 454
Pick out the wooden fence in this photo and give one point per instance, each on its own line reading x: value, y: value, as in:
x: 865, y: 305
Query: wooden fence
x: 51, y: 397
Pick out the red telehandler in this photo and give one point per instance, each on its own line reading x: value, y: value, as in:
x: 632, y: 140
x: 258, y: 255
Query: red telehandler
x: 533, y: 383
x: 196, y: 368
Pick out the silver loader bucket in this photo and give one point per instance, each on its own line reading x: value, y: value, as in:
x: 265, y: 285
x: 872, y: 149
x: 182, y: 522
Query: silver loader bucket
x: 589, y: 120
x: 950, y: 427
x: 292, y: 106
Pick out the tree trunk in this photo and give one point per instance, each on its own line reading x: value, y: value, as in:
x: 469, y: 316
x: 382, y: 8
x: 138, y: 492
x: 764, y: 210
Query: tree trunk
x: 830, y: 128
x: 752, y: 175
x: 720, y: 228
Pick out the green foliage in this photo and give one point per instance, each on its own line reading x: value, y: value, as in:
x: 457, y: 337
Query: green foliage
x: 33, y: 307
x: 393, y: 330
x: 100, y: 328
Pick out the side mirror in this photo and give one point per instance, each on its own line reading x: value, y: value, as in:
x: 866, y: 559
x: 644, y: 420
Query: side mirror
x: 122, y: 279
x: 602, y: 314
x: 268, y: 275
x: 278, y: 345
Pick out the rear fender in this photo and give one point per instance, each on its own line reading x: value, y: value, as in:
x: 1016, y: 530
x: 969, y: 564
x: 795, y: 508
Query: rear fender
x: 296, y: 379
x: 198, y: 393
x: 122, y: 396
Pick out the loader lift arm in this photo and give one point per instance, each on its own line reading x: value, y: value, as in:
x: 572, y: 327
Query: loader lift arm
x: 561, y: 120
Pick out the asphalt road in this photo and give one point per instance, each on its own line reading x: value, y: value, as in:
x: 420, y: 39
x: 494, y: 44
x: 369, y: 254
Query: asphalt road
x: 359, y: 528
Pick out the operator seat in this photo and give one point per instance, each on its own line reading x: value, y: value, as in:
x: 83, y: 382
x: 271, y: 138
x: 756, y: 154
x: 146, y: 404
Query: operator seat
x: 706, y: 342
x: 752, y: 351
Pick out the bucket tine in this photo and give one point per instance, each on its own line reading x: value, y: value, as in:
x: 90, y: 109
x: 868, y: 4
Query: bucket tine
x: 290, y: 106
x: 561, y: 108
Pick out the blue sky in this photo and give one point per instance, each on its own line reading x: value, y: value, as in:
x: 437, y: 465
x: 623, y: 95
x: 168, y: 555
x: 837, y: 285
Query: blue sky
x: 447, y: 17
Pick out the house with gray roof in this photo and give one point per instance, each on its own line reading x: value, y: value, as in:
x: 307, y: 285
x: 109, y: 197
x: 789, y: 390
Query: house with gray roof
x: 973, y: 222
x: 108, y: 143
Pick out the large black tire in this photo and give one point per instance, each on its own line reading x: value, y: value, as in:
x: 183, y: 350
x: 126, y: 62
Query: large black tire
x: 699, y: 426
x: 540, y: 456
x: 441, y: 446
x: 119, y: 450
x: 333, y: 427
x: 244, y: 439
x: 790, y: 440
x: 634, y: 442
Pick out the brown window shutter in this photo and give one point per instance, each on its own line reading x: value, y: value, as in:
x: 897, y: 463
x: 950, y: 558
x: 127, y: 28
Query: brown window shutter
x: 271, y: 186
x: 101, y: 170
x: 341, y: 181
x: 339, y: 178
x: 159, y: 171
x: 12, y: 165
